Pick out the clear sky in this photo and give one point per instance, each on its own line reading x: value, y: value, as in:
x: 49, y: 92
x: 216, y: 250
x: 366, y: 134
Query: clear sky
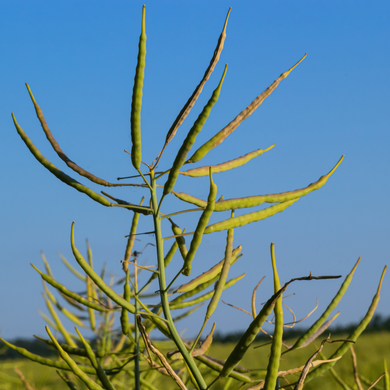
x: 79, y: 59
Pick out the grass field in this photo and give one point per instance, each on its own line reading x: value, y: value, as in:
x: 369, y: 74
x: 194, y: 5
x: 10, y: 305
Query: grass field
x: 370, y: 349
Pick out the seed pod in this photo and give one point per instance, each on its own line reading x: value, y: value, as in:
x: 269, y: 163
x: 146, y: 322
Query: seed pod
x: 353, y: 337
x: 277, y: 339
x: 313, y: 329
x: 136, y: 103
x: 180, y: 240
x: 224, y: 273
x: 227, y: 130
x: 200, y: 228
x: 248, y: 218
x: 211, y: 273
x: 252, y: 201
x: 226, y: 166
x: 191, y: 138
x: 124, y: 319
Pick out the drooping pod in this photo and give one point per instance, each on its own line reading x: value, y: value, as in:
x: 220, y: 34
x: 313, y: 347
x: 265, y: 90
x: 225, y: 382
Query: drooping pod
x: 180, y: 240
x: 252, y: 201
x: 248, y: 218
x: 124, y: 319
x: 227, y: 130
x: 277, y: 339
x: 191, y: 138
x: 210, y: 274
x: 136, y: 102
x: 200, y: 228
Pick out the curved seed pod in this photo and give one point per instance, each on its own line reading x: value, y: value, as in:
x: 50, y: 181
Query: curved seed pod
x: 224, y: 274
x: 95, y: 363
x: 251, y: 201
x: 218, y: 368
x: 226, y: 166
x: 314, y: 328
x: 91, y: 292
x: 277, y: 340
x: 227, y: 130
x: 204, y: 297
x: 191, y: 101
x: 124, y: 319
x: 191, y: 138
x: 73, y: 365
x: 65, y: 377
x: 354, y: 336
x: 131, y: 239
x: 45, y: 361
x: 210, y: 274
x: 248, y: 218
x: 57, y: 172
x: 67, y: 292
x: 97, y: 279
x: 61, y: 154
x: 186, y: 314
x: 180, y: 240
x: 200, y: 228
x: 136, y: 102
x: 62, y: 309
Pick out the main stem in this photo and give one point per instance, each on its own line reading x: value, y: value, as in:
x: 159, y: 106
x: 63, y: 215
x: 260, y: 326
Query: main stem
x: 163, y: 290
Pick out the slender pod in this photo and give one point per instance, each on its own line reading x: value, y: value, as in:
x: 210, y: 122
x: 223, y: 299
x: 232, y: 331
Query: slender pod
x: 131, y: 239
x: 57, y: 172
x: 67, y: 292
x: 91, y: 292
x: 220, y: 285
x: 252, y: 201
x: 277, y: 339
x: 180, y: 240
x: 191, y: 138
x: 226, y: 166
x: 97, y: 279
x: 73, y: 365
x: 61, y: 154
x: 124, y: 319
x: 227, y: 130
x: 71, y: 268
x: 248, y: 218
x: 210, y: 274
x: 182, y: 305
x: 95, y: 363
x: 136, y: 102
x: 191, y: 101
x: 316, y: 326
x: 65, y: 377
x: 353, y: 337
x: 46, y: 361
x: 200, y: 228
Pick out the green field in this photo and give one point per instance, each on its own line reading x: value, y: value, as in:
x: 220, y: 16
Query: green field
x: 370, y: 349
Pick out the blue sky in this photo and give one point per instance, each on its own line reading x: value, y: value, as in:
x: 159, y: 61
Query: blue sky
x: 79, y: 59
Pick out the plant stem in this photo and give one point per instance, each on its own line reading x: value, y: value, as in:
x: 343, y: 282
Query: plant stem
x: 163, y: 290
x: 137, y: 373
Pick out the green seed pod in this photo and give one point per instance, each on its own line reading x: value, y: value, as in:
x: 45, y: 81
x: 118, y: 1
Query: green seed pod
x: 277, y: 339
x: 69, y: 293
x: 200, y: 228
x: 124, y: 319
x: 227, y: 130
x: 252, y: 201
x: 226, y: 166
x: 387, y: 377
x: 210, y: 274
x: 314, y: 328
x: 248, y: 218
x: 73, y: 365
x: 224, y: 274
x: 353, y: 337
x: 180, y: 240
x: 97, y: 279
x: 136, y: 103
x: 204, y: 297
x: 191, y: 138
